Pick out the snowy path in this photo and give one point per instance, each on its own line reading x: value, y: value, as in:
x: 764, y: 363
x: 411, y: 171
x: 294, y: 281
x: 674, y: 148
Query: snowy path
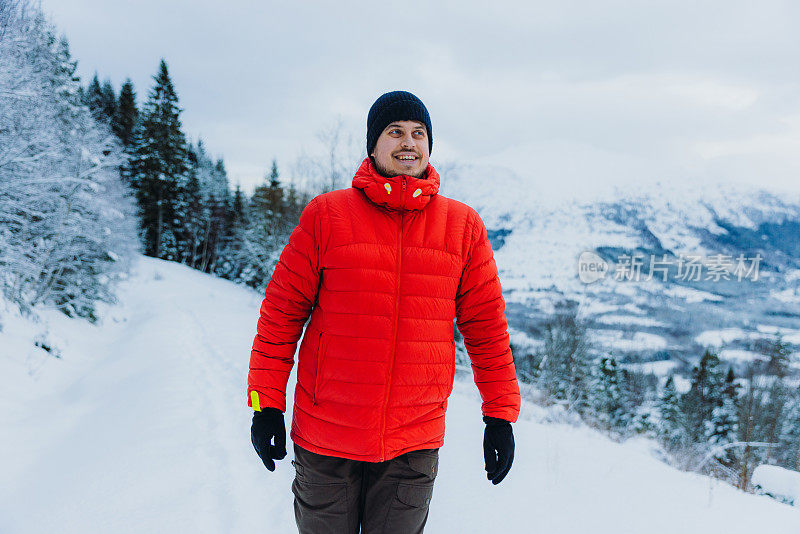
x: 142, y: 427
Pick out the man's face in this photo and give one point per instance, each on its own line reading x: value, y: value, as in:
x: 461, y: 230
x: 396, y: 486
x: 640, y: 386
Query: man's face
x: 402, y: 148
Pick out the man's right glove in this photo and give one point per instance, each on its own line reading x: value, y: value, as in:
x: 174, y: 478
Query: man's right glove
x: 498, y: 448
x: 268, y: 424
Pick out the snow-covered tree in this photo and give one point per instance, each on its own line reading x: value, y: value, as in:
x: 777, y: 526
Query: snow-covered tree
x: 207, y: 218
x: 266, y: 232
x: 101, y: 99
x: 778, y: 353
x: 565, y: 366
x: 704, y: 395
x: 606, y: 394
x: 671, y: 427
x: 239, y: 206
x: 108, y: 101
x: 126, y: 115
x: 66, y: 219
x: 93, y: 97
x: 159, y: 169
x: 259, y: 229
x: 723, y: 427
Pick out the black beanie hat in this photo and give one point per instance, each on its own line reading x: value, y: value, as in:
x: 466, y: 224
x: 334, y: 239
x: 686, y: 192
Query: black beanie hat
x: 396, y: 106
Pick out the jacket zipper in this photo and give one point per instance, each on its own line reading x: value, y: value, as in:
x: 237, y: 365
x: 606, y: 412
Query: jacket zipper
x: 396, y: 319
x: 319, y: 368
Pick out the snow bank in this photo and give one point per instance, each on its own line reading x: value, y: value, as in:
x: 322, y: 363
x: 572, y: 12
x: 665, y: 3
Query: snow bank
x: 142, y: 426
x: 777, y: 482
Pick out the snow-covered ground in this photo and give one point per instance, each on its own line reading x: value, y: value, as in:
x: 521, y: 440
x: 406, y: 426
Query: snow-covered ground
x: 717, y: 338
x: 658, y: 368
x: 619, y: 319
x: 628, y: 340
x: 142, y: 426
x: 740, y: 355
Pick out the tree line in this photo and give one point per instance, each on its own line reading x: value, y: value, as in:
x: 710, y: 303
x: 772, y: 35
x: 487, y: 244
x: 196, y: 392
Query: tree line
x: 712, y: 420
x: 187, y: 210
x: 88, y: 178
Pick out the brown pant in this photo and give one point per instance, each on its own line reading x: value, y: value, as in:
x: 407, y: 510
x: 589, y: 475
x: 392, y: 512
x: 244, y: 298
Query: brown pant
x: 339, y: 496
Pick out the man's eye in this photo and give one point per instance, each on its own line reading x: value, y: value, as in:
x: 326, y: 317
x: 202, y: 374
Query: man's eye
x: 395, y: 131
x: 419, y: 133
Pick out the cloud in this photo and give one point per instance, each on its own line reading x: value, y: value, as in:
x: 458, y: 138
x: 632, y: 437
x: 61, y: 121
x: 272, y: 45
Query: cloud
x: 597, y: 89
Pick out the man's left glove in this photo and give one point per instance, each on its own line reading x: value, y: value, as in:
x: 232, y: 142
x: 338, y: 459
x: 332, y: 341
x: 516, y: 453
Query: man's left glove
x: 498, y: 448
x: 268, y: 424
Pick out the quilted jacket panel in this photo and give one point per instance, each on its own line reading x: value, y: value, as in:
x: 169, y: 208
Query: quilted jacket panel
x: 382, y: 269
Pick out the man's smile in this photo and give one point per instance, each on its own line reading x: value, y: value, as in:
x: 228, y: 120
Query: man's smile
x: 406, y: 158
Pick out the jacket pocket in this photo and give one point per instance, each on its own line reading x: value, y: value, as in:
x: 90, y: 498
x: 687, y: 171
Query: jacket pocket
x: 424, y: 462
x: 408, y: 511
x: 318, y: 372
x: 322, y: 507
x: 415, y: 495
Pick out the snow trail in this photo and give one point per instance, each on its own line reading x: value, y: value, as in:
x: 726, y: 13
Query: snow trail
x: 142, y: 426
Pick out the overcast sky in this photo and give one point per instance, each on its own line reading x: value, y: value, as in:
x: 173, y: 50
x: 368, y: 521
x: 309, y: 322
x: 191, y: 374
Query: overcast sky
x: 573, y: 93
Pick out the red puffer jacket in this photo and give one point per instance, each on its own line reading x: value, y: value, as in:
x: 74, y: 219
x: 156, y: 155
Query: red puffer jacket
x: 383, y: 268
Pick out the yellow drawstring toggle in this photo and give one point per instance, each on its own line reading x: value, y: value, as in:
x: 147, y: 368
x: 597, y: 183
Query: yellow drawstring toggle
x: 388, y: 188
x: 254, y: 401
x: 417, y: 193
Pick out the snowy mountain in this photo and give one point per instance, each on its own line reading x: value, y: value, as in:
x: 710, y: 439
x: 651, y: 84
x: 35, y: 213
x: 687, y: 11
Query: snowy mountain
x: 540, y: 230
x: 140, y: 424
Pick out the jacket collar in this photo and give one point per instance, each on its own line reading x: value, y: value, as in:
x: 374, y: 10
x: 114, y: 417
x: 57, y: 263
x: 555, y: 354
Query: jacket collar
x: 391, y: 193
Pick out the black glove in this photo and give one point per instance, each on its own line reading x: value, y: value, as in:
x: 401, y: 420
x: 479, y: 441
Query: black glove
x: 498, y: 448
x: 268, y: 424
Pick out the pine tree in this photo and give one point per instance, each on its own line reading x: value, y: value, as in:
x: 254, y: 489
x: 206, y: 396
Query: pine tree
x: 259, y: 229
x: 238, y: 207
x: 273, y: 174
x: 126, y: 115
x: 606, y: 395
x: 160, y: 169
x: 208, y: 196
x: 565, y: 369
x: 267, y: 200
x: 108, y: 101
x: 295, y: 202
x: 779, y: 353
x: 93, y: 97
x: 704, y: 395
x: 228, y: 263
x: 193, y: 222
x: 671, y: 426
x: 101, y: 99
x: 723, y: 426
x: 264, y: 235
x: 219, y: 204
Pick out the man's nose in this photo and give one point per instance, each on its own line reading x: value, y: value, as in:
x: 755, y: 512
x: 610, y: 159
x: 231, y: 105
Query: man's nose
x: 408, y: 141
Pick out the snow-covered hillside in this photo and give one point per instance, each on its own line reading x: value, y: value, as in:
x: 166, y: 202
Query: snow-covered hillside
x: 540, y: 229
x: 141, y: 426
x: 550, y: 226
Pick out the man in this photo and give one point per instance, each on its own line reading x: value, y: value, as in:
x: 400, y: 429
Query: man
x: 382, y: 268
